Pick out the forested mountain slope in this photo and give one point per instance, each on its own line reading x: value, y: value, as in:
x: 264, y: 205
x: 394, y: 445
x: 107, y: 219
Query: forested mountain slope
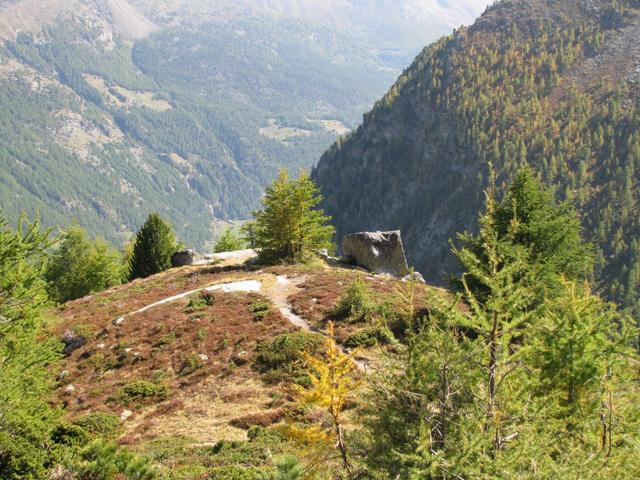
x: 550, y: 84
x: 112, y: 109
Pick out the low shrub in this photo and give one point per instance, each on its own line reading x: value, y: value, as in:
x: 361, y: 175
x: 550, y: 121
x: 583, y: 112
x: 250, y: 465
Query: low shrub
x: 260, y: 310
x: 283, y: 355
x: 166, y: 339
x: 101, y: 460
x: 191, y: 364
x: 233, y: 472
x: 368, y: 337
x: 143, y: 391
x: 261, y: 419
x: 70, y: 434
x: 200, y: 302
x: 99, y: 423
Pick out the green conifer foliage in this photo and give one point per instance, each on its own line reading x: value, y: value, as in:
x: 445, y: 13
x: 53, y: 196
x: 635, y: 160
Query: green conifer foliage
x: 523, y: 373
x: 26, y: 417
x: 229, y: 241
x: 290, y: 227
x: 81, y: 266
x: 153, y: 247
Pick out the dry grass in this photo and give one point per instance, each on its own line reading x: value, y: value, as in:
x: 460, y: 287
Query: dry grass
x: 201, y: 352
x: 207, y: 413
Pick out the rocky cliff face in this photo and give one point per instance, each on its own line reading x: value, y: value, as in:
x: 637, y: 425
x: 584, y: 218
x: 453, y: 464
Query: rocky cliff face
x: 550, y: 84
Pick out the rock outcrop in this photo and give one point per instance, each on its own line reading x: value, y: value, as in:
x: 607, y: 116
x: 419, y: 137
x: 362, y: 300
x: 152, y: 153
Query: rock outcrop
x: 184, y: 258
x: 379, y: 252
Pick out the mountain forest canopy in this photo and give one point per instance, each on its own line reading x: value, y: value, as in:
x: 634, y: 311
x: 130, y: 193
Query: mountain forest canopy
x: 553, y: 85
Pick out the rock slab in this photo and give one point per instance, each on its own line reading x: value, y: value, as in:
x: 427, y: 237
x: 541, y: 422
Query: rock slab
x: 378, y: 252
x: 184, y: 258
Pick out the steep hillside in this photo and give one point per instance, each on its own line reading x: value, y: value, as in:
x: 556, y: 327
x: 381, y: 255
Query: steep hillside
x: 550, y: 84
x: 202, y: 356
x: 114, y: 109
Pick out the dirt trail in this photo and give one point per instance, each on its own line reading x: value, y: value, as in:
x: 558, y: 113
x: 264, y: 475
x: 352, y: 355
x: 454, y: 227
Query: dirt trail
x: 277, y: 291
x: 241, y: 286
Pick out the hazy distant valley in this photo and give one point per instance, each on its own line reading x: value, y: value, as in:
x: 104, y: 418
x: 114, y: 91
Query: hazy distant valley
x: 114, y: 109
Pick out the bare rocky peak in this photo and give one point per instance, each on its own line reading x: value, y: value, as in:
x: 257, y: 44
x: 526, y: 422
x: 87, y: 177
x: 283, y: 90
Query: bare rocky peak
x: 32, y: 16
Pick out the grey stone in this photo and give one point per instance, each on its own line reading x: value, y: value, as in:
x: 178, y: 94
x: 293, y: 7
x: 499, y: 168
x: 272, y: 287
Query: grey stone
x: 324, y: 255
x: 72, y: 342
x: 184, y: 258
x: 378, y: 252
x: 415, y: 276
x: 125, y: 415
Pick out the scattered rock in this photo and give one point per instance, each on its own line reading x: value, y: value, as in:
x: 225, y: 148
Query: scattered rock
x: 72, y: 342
x: 378, y: 252
x: 415, y: 276
x: 184, y: 258
x: 63, y: 375
x: 125, y: 414
x: 324, y: 254
x: 240, y: 358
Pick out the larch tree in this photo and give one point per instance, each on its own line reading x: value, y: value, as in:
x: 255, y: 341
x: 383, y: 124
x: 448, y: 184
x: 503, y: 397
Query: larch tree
x: 290, y: 226
x: 332, y: 383
x: 26, y: 416
x: 80, y: 266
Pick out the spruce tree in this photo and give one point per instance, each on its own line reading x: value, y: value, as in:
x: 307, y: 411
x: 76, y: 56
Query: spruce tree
x: 550, y: 231
x: 154, y: 244
x: 290, y: 227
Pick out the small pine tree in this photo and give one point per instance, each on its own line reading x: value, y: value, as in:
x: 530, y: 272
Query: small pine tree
x: 290, y: 227
x: 153, y: 247
x: 356, y: 302
x: 80, y: 266
x: 229, y: 241
x: 286, y: 468
x: 332, y: 383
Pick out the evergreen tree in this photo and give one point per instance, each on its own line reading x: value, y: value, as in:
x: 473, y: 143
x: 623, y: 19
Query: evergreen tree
x: 286, y: 468
x: 80, y: 266
x: 290, y: 227
x: 229, y: 241
x: 153, y: 247
x: 522, y: 373
x: 26, y: 417
x: 551, y: 232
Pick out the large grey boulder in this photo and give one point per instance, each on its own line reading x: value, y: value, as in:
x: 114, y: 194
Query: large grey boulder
x: 379, y: 252
x: 184, y: 258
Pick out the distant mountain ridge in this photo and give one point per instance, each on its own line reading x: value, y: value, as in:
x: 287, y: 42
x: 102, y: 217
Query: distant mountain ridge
x: 111, y: 109
x: 555, y: 85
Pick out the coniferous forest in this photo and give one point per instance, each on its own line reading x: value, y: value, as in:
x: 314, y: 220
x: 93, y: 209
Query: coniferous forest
x: 506, y: 154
